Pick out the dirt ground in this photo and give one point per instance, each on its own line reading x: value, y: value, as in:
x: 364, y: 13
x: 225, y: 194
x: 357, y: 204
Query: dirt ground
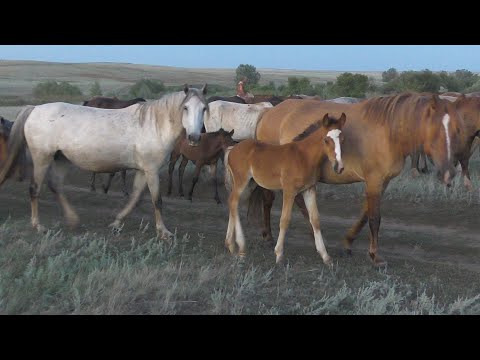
x: 424, y: 232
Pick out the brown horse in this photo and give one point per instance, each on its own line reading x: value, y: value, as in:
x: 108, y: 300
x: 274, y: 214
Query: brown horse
x: 212, y: 147
x: 293, y: 168
x: 111, y: 103
x: 272, y: 99
x: 19, y: 170
x: 380, y: 134
x: 469, y: 109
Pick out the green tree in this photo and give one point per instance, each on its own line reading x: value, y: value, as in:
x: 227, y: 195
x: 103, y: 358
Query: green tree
x: 419, y: 81
x: 53, y: 89
x: 95, y: 89
x: 353, y: 85
x: 248, y: 71
x: 389, y: 75
x: 147, y: 88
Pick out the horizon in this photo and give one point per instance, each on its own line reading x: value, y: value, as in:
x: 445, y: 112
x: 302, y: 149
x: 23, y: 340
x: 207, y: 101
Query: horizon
x: 353, y: 58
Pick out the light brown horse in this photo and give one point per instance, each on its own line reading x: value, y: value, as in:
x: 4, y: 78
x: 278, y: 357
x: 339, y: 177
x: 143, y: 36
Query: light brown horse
x: 469, y: 110
x: 380, y: 134
x: 293, y: 168
x: 211, y: 147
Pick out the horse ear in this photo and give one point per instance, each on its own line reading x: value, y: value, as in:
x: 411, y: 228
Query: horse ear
x: 326, y: 120
x: 185, y: 88
x: 434, y: 101
x: 2, y: 120
x: 204, y: 89
x: 342, y: 120
x: 231, y: 132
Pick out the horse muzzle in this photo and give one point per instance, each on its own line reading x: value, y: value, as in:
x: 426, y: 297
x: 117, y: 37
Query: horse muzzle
x: 193, y: 139
x: 338, y: 167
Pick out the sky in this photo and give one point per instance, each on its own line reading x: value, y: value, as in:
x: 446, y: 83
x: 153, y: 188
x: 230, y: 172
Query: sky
x: 297, y: 57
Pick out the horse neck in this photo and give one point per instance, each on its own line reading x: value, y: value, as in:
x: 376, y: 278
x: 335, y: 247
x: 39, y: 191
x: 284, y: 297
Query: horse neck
x: 313, y: 146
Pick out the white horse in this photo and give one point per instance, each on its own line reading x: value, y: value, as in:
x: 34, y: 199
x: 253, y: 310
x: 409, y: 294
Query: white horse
x: 242, y: 118
x: 345, y: 100
x: 138, y: 137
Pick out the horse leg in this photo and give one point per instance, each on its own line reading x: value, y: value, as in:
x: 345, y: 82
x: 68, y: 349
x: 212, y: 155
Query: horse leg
x: 466, y: 174
x: 300, y: 201
x: 288, y: 199
x: 92, y: 183
x: 415, y: 157
x: 213, y: 173
x: 55, y: 183
x: 153, y: 182
x: 171, y: 167
x: 109, y: 182
x: 181, y: 169
x: 268, y: 199
x: 139, y: 184
x: 310, y: 198
x: 356, y: 228
x: 374, y: 196
x: 41, y: 163
x: 124, y: 183
x: 234, y: 228
x: 198, y: 167
x: 425, y: 166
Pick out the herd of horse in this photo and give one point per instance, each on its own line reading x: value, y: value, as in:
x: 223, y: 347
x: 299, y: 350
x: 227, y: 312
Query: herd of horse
x: 268, y: 143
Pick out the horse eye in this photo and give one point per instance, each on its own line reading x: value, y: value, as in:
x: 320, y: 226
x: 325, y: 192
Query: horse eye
x: 204, y: 109
x: 185, y: 108
x: 326, y: 140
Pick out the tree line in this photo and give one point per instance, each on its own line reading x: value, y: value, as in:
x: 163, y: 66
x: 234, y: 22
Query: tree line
x: 346, y: 84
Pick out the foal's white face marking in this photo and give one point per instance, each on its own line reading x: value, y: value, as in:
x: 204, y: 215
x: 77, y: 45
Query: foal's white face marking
x: 334, y: 135
x: 445, y: 121
x: 192, y: 119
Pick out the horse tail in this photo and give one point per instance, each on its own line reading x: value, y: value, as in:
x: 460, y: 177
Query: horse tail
x: 228, y: 171
x: 255, y: 205
x: 16, y: 142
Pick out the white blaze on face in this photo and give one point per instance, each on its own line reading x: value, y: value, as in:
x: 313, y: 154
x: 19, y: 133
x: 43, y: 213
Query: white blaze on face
x: 445, y: 121
x: 335, y: 136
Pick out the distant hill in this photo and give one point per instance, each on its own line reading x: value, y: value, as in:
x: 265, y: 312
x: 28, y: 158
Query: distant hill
x: 17, y: 78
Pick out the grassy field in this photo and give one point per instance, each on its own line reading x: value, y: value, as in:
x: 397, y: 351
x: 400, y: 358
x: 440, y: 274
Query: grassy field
x: 17, y: 78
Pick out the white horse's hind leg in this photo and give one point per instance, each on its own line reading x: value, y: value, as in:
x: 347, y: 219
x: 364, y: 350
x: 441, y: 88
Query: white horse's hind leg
x: 311, y: 203
x: 41, y: 163
x: 55, y: 183
x: 154, y: 187
x: 139, y: 183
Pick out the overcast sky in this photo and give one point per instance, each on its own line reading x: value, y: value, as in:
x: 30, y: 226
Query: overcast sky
x: 298, y: 57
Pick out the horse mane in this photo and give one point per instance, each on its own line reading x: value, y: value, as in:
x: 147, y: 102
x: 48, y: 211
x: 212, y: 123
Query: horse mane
x: 313, y: 127
x: 168, y: 106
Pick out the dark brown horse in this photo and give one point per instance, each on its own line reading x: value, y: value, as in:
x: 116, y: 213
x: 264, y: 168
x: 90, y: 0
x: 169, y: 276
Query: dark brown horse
x: 111, y: 103
x: 380, y: 134
x: 272, y: 99
x: 212, y: 147
x: 234, y: 99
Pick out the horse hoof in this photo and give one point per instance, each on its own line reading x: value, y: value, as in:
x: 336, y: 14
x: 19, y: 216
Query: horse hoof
x: 40, y: 229
x: 415, y: 173
x: 218, y: 201
x: 165, y: 234
x: 73, y: 222
x: 279, y: 259
x: 230, y: 247
x: 116, y: 227
x: 377, y: 261
x: 347, y: 252
x: 328, y: 261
